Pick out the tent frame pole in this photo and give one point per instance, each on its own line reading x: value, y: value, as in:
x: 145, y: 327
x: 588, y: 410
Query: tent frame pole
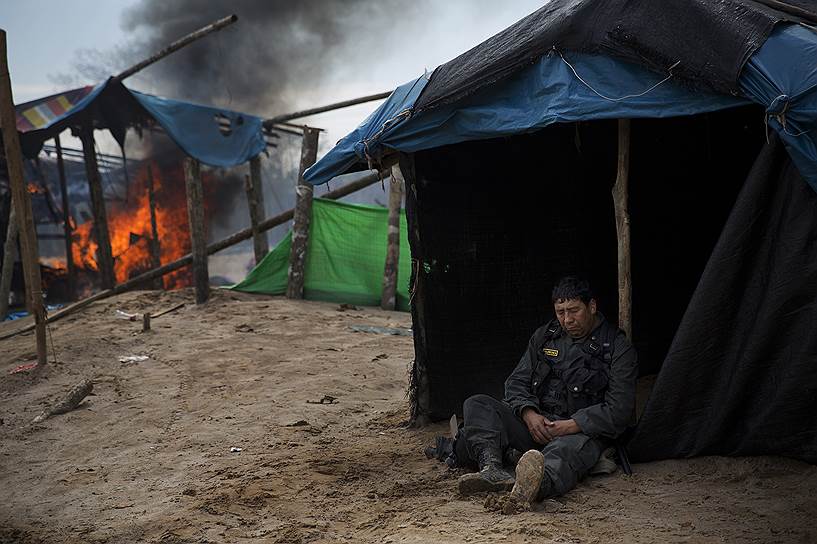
x: 620, y: 201
x: 303, y: 216
x: 154, y: 244
x: 21, y: 202
x: 255, y: 201
x: 66, y: 220
x: 195, y: 215
x: 388, y: 299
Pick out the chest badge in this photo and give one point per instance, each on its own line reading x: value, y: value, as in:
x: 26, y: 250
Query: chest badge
x: 551, y: 352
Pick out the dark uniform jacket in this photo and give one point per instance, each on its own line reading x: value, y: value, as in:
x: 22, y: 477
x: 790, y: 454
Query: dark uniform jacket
x: 591, y: 380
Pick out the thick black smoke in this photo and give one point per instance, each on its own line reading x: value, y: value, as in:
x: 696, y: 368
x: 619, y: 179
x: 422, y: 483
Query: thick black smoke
x: 277, y: 49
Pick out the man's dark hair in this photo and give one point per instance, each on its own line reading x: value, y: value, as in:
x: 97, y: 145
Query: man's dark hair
x: 572, y: 287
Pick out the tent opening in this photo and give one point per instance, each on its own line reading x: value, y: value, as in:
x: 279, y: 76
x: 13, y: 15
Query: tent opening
x: 499, y: 221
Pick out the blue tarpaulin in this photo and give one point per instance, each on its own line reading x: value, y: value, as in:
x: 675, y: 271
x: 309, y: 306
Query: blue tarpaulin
x: 782, y: 76
x: 567, y: 87
x: 196, y: 130
x: 215, y: 136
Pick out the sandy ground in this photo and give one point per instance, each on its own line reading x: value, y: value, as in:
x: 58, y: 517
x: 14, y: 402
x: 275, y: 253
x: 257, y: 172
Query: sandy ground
x: 147, y: 458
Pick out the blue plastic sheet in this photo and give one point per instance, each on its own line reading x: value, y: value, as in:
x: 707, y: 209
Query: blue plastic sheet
x: 195, y: 129
x: 547, y: 92
x: 782, y: 76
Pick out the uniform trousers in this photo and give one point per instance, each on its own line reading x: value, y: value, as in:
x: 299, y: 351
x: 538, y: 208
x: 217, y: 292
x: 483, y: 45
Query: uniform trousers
x: 491, y: 423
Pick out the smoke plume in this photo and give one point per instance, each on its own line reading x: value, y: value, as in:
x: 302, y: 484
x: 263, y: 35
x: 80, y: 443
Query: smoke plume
x: 277, y: 49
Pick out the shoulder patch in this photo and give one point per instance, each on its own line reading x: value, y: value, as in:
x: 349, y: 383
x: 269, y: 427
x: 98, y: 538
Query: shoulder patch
x: 551, y: 352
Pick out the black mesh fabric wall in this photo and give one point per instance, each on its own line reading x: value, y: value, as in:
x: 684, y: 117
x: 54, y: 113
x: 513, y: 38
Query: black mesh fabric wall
x: 494, y: 223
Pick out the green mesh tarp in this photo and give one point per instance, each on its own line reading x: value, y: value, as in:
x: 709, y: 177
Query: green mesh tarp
x: 345, y: 258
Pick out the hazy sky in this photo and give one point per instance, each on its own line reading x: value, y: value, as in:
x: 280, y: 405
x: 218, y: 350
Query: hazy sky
x: 45, y: 36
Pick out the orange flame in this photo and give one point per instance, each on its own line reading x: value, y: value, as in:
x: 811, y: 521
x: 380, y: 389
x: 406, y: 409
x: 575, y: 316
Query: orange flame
x: 130, y: 231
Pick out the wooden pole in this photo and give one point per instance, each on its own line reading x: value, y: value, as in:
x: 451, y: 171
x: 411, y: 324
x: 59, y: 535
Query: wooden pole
x: 388, y: 299
x: 154, y: 244
x: 271, y: 122
x: 104, y: 254
x: 215, y: 247
x: 67, y: 227
x: 198, y: 241
x: 255, y: 201
x: 620, y: 202
x: 303, y: 216
x: 178, y: 44
x: 21, y: 201
x: 9, y: 256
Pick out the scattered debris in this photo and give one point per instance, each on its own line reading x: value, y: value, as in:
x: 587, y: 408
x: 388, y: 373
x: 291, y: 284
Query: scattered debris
x: 133, y: 358
x: 344, y: 307
x: 173, y: 309
x: 244, y: 328
x: 380, y: 356
x: 327, y: 399
x: 125, y: 315
x: 393, y: 331
x: 235, y: 450
x: 299, y: 423
x: 75, y: 396
x: 23, y: 367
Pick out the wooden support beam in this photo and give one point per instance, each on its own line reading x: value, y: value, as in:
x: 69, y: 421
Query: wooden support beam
x: 9, y: 256
x: 153, y: 244
x: 198, y: 241
x: 178, y: 44
x: 255, y: 201
x: 278, y: 119
x: 104, y: 254
x: 303, y: 216
x: 215, y: 247
x: 388, y: 300
x: 620, y: 201
x: 21, y: 201
x: 66, y: 221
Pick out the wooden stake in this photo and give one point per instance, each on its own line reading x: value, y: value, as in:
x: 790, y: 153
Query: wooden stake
x: 303, y: 216
x: 388, y: 300
x: 198, y: 242
x: 145, y: 322
x: 620, y: 201
x: 255, y: 200
x: 21, y: 201
x: 104, y: 254
x: 154, y: 245
x: 9, y: 256
x: 215, y: 247
x: 67, y: 227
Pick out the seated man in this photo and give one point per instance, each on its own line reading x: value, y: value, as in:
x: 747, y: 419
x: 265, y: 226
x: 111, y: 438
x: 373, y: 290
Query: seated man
x: 570, y: 396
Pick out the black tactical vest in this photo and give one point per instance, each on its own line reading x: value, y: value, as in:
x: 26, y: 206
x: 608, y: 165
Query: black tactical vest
x: 561, y: 392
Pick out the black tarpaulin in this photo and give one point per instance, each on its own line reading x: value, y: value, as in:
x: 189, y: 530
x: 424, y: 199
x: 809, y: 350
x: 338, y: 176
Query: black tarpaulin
x: 710, y: 41
x: 741, y: 375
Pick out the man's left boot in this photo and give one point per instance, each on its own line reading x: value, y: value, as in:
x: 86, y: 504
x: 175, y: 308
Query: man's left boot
x: 529, y: 474
x: 492, y: 477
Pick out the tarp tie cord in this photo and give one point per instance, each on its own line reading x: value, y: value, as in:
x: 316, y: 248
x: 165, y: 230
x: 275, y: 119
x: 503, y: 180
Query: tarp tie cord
x: 780, y: 102
x: 575, y: 73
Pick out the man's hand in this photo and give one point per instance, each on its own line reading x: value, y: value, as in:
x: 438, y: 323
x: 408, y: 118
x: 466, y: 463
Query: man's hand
x: 563, y: 427
x: 544, y: 430
x: 538, y: 425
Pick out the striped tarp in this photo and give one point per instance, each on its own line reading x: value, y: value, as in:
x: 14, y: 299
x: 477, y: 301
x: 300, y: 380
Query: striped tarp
x: 42, y: 112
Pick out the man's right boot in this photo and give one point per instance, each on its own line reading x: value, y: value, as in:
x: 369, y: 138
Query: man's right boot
x: 492, y: 477
x: 530, y: 472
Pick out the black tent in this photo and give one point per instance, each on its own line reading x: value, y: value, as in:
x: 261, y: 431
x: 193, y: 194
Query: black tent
x: 724, y: 230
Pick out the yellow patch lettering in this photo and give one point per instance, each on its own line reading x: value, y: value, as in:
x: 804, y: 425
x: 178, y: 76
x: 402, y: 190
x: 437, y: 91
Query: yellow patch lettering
x: 551, y: 352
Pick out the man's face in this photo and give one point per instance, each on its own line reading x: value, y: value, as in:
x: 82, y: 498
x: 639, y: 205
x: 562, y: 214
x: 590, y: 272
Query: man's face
x: 576, y: 317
